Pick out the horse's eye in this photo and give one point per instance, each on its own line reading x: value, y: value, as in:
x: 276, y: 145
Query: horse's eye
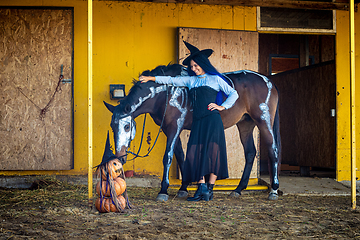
x: 127, y: 127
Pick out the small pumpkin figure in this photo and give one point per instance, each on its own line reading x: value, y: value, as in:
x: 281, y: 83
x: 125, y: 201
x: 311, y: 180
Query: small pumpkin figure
x: 112, y: 185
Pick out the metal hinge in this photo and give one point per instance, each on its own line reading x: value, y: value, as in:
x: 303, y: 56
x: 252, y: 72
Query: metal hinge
x: 61, y: 74
x: 333, y: 112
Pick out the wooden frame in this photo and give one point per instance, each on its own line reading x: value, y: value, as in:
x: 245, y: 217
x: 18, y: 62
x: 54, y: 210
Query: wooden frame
x: 261, y: 3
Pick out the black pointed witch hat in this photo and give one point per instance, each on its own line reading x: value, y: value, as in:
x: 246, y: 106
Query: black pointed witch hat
x: 108, y: 153
x: 194, y: 51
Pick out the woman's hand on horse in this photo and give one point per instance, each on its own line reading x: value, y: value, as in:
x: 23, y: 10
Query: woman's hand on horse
x: 213, y: 106
x: 145, y: 79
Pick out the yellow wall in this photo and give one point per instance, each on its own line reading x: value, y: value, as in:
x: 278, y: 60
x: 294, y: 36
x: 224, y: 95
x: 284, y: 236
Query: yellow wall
x: 131, y: 37
x: 128, y: 38
x: 343, y: 118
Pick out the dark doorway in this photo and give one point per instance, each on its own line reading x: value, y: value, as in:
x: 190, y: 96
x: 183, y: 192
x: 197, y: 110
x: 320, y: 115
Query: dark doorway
x: 307, y: 98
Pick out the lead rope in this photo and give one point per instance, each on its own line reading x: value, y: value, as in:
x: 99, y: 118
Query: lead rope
x: 142, y: 134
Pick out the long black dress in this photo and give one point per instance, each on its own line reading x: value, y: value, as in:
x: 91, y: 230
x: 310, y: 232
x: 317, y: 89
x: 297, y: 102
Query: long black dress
x: 206, y: 149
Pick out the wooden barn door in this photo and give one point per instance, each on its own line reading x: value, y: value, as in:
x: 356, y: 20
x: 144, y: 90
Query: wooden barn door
x: 307, y: 115
x: 233, y: 50
x: 35, y: 106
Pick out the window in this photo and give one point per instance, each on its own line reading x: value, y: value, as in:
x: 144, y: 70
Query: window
x: 296, y: 20
x: 280, y: 63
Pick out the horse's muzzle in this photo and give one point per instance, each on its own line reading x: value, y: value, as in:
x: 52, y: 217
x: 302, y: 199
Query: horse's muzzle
x: 123, y: 160
x: 121, y: 156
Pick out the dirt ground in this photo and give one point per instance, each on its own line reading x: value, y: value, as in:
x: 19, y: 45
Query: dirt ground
x: 58, y: 210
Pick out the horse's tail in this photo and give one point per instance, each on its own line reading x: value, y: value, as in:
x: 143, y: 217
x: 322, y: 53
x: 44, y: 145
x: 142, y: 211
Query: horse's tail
x: 276, y: 131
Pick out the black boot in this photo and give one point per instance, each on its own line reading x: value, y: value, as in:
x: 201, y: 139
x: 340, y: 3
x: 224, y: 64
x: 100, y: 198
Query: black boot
x: 202, y: 193
x: 210, y: 187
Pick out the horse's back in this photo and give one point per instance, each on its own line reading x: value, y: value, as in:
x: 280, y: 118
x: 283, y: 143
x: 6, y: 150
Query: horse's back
x: 253, y: 89
x: 253, y: 85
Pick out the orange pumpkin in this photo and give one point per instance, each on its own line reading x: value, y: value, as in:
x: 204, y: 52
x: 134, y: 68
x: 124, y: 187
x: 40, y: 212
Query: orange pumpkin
x: 121, y: 201
x: 114, y: 168
x: 122, y: 184
x: 108, y: 206
x: 119, y: 184
x: 105, y: 207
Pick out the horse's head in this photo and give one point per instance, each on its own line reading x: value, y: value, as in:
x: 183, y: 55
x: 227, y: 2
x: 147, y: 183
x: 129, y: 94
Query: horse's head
x: 135, y: 103
x: 124, y: 129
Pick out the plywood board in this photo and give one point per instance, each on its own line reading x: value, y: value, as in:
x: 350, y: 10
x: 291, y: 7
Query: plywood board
x: 34, y: 44
x: 233, y: 50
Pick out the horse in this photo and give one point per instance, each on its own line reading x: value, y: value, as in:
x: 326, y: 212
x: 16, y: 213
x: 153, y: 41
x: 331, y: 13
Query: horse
x: 169, y: 107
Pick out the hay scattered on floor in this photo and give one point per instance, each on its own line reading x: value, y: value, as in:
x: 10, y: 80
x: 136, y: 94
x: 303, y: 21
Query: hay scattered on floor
x: 58, y: 210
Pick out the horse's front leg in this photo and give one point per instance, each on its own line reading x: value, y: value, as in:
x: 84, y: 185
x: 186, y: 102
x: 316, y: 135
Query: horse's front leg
x: 172, y: 146
x: 172, y: 149
x: 167, y: 160
x: 172, y: 138
x: 180, y: 158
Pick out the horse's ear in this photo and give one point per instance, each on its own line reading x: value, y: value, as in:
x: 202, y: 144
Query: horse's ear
x: 127, y: 108
x: 109, y: 106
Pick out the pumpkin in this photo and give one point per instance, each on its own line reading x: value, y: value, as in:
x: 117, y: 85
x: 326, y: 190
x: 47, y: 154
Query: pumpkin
x: 108, y: 206
x: 104, y: 205
x: 114, y: 167
x: 121, y: 201
x: 119, y: 184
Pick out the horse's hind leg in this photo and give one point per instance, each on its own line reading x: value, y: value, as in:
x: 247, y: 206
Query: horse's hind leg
x: 274, y: 169
x: 274, y: 163
x: 246, y: 128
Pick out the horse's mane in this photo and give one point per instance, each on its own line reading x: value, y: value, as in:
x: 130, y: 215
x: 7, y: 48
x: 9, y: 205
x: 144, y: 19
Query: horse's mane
x: 161, y: 70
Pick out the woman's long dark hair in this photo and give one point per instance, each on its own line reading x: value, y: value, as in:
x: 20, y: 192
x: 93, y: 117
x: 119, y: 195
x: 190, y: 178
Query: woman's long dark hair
x: 205, y: 64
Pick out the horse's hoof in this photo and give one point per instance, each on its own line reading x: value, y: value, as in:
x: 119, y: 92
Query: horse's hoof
x: 182, y: 194
x: 273, y: 196
x: 235, y: 194
x: 161, y: 197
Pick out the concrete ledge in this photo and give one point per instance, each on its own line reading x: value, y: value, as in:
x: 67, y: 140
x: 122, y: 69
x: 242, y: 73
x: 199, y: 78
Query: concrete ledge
x: 144, y: 181
x: 288, y: 184
x: 17, y: 181
x: 313, y: 186
x: 348, y: 184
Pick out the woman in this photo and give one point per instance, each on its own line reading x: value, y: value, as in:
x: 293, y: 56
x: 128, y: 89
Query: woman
x: 206, y: 150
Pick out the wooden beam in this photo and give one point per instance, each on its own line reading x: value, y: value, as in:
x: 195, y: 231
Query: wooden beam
x: 260, y: 3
